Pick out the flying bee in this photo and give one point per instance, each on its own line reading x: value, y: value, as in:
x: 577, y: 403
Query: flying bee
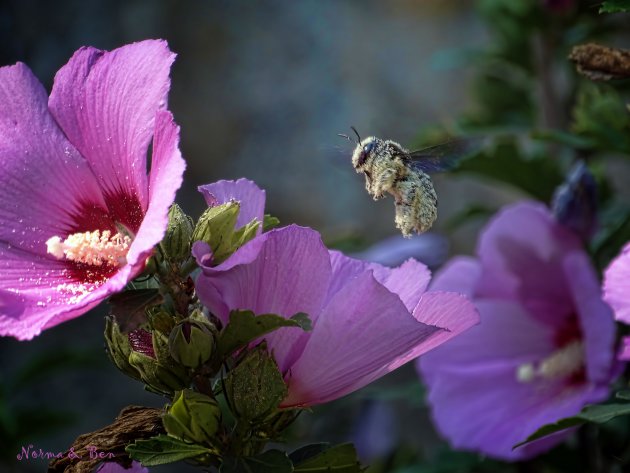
x: 390, y: 168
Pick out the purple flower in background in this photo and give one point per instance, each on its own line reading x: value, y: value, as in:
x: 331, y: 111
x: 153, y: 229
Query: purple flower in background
x: 367, y: 319
x: 79, y: 215
x: 617, y: 285
x: 428, y: 248
x: 113, y: 467
x: 545, y: 344
x: 617, y: 293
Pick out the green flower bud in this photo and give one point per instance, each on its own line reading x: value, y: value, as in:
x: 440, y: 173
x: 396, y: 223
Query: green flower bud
x: 216, y: 225
x: 194, y: 417
x: 178, y: 236
x: 192, y: 343
x: 156, y: 367
x: 118, y: 348
x: 255, y: 388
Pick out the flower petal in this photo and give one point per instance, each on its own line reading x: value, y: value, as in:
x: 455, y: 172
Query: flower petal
x: 474, y: 377
x: 521, y: 252
x: 358, y: 334
x: 283, y: 272
x: 250, y: 196
x: 461, y: 274
x: 409, y: 281
x: 617, y: 285
x: 44, y: 180
x: 106, y: 103
x: 167, y: 169
x: 428, y: 248
x: 596, y: 318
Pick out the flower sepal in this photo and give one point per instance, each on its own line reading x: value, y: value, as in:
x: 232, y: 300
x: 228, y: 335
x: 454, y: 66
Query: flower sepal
x: 192, y: 342
x: 158, y: 370
x: 216, y: 227
x: 193, y: 417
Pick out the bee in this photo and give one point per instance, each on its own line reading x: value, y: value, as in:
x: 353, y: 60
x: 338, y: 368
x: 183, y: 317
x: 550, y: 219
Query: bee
x: 390, y: 168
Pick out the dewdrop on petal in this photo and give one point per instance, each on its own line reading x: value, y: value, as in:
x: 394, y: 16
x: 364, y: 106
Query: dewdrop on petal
x: 93, y: 248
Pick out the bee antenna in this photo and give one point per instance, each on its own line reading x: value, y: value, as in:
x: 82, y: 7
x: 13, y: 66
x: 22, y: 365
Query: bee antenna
x: 356, y: 133
x: 346, y: 137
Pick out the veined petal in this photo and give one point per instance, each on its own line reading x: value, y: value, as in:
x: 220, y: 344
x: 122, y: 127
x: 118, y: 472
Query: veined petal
x: 408, y: 281
x: 250, y: 196
x: 167, y: 169
x: 617, y: 285
x: 106, y: 104
x: 45, y: 181
x: 37, y: 293
x: 358, y: 334
x: 283, y: 272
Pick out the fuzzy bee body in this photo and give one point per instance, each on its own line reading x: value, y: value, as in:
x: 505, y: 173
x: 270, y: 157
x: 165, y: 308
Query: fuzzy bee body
x: 390, y: 168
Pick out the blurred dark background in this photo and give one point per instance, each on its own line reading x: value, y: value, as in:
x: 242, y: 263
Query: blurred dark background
x: 260, y: 90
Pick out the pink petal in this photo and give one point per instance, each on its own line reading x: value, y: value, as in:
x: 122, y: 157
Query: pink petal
x: 617, y: 285
x: 44, y: 179
x: 250, y: 196
x: 409, y: 281
x: 358, y: 334
x: 283, y: 272
x: 106, y: 103
x: 167, y: 169
x: 624, y: 349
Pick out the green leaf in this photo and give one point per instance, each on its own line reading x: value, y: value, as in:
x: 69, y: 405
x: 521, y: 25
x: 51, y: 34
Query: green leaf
x: 615, y: 6
x: 272, y: 461
x: 597, y: 414
x: 625, y: 395
x: 164, y: 449
x: 563, y: 138
x: 339, y: 459
x: 255, y: 387
x: 245, y: 327
x: 129, y: 308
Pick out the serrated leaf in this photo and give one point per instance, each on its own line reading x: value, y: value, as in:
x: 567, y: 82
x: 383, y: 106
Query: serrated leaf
x: 272, y: 461
x: 245, y: 327
x: 338, y: 459
x: 129, y: 307
x: 308, y: 451
x: 164, y: 449
x: 615, y: 6
x: 597, y: 414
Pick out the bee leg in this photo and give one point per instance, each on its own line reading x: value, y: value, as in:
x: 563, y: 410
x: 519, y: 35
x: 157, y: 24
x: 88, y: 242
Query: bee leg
x: 404, y: 218
x: 383, y: 183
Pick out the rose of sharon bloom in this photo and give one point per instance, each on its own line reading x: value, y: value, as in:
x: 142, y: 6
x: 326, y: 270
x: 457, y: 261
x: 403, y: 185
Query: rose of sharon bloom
x: 367, y: 319
x: 78, y: 213
x: 617, y: 292
x: 544, y: 346
x: 113, y: 467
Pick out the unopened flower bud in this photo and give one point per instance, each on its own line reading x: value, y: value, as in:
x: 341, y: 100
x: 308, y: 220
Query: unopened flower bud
x: 177, y: 239
x: 191, y: 343
x: 193, y: 417
x: 154, y: 364
x: 255, y: 388
x: 119, y: 348
x: 216, y: 224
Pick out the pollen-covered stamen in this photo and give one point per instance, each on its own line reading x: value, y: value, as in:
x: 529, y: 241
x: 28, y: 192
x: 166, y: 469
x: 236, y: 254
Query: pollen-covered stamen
x: 94, y: 248
x: 561, y: 363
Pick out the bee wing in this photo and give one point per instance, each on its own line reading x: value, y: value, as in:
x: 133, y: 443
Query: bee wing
x: 445, y: 156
